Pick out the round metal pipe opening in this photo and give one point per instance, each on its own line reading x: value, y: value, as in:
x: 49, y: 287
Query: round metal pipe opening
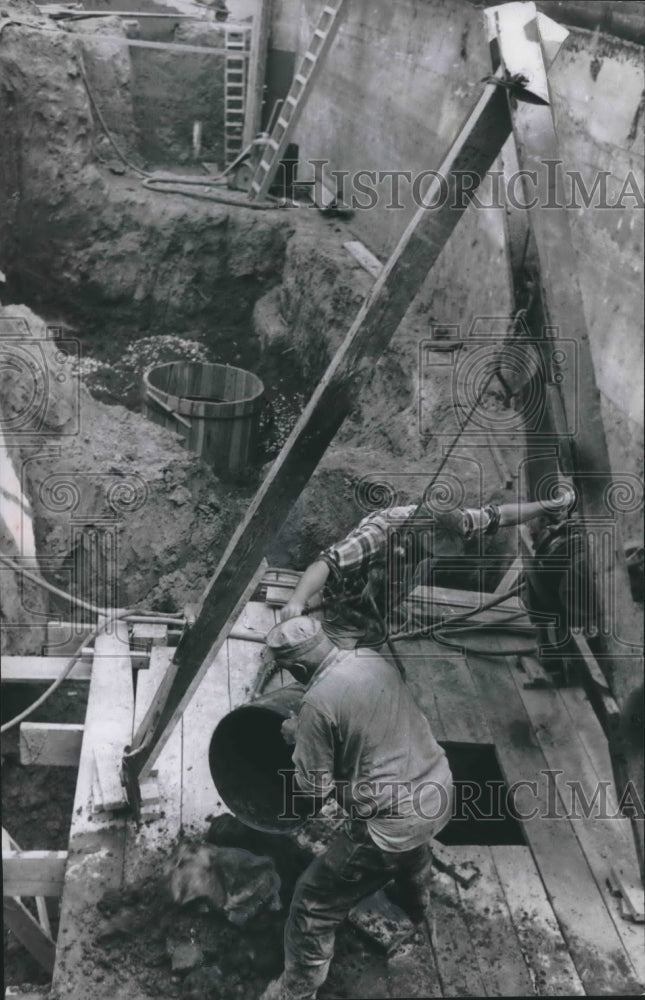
x: 251, y: 764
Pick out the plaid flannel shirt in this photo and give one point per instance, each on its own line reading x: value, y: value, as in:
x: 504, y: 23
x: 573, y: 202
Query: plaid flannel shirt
x: 366, y: 545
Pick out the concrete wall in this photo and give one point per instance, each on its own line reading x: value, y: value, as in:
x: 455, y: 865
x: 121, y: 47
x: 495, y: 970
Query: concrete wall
x: 395, y: 89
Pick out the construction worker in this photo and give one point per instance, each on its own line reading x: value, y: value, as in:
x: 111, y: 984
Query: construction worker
x: 360, y: 735
x: 357, y: 575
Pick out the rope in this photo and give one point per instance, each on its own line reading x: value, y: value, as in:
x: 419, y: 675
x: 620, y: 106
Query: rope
x: 486, y: 651
x: 512, y: 325
x: 458, y: 619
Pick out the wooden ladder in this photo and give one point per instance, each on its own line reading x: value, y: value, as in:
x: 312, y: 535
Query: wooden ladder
x: 301, y: 86
x: 236, y: 44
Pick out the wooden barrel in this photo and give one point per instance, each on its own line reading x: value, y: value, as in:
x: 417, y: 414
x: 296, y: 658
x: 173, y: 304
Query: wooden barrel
x: 216, y: 408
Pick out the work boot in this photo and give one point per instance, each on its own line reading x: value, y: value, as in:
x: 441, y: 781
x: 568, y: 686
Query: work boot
x: 412, y: 894
x: 277, y: 990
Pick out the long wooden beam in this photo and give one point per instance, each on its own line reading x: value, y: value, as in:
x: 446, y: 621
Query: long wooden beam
x: 96, y: 844
x: 19, y: 920
x: 55, y: 744
x: 260, y: 31
x: 474, y: 151
x: 41, y: 669
x: 573, y: 418
x: 33, y: 873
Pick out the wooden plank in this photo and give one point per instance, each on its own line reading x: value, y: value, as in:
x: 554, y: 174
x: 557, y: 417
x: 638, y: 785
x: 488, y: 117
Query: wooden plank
x: 55, y: 744
x: 41, y: 669
x: 624, y: 883
x: 474, y: 150
x: 552, y: 970
x: 245, y: 658
x: 178, y: 686
x: 536, y: 141
x: 63, y: 638
x: 212, y: 701
x: 228, y: 684
x: 278, y: 596
x: 368, y: 261
x: 109, y: 780
x: 451, y: 685
x: 178, y: 47
x: 148, y: 847
x: 596, y: 948
x: 26, y: 928
x: 605, y: 841
x: 260, y: 30
x: 147, y: 634
x: 54, y: 8
x: 9, y: 844
x: 491, y: 930
x: 590, y: 732
x: 457, y: 966
x: 417, y: 681
x: 96, y: 846
x: 33, y: 873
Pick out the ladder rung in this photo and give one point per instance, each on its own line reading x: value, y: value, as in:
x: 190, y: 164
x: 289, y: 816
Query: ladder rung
x: 292, y: 100
x: 310, y: 56
x: 265, y: 164
x: 282, y: 121
x: 273, y: 143
x: 299, y: 78
x: 320, y: 34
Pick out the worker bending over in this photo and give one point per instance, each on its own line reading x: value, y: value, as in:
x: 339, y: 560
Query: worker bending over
x: 358, y: 734
x: 394, y: 549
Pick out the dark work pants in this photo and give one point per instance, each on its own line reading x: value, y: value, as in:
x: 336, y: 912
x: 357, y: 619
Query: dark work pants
x: 352, y: 868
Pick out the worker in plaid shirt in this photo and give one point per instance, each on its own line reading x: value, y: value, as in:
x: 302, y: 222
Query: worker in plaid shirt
x: 390, y: 550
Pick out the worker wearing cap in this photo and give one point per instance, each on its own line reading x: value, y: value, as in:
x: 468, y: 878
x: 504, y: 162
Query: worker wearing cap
x: 345, y: 572
x: 360, y: 735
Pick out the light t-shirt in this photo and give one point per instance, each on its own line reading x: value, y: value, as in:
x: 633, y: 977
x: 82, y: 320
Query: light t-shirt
x: 361, y: 732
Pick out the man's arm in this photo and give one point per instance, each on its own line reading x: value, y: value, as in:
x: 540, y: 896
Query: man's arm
x: 312, y: 580
x: 519, y: 513
x: 313, y: 755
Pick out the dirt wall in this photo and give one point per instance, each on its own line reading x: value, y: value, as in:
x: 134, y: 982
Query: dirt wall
x: 122, y: 513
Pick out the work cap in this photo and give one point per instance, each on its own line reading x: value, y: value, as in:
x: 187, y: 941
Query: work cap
x: 295, y: 637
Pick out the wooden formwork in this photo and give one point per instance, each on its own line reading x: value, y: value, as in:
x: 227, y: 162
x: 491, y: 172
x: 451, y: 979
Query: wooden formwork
x: 541, y: 919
